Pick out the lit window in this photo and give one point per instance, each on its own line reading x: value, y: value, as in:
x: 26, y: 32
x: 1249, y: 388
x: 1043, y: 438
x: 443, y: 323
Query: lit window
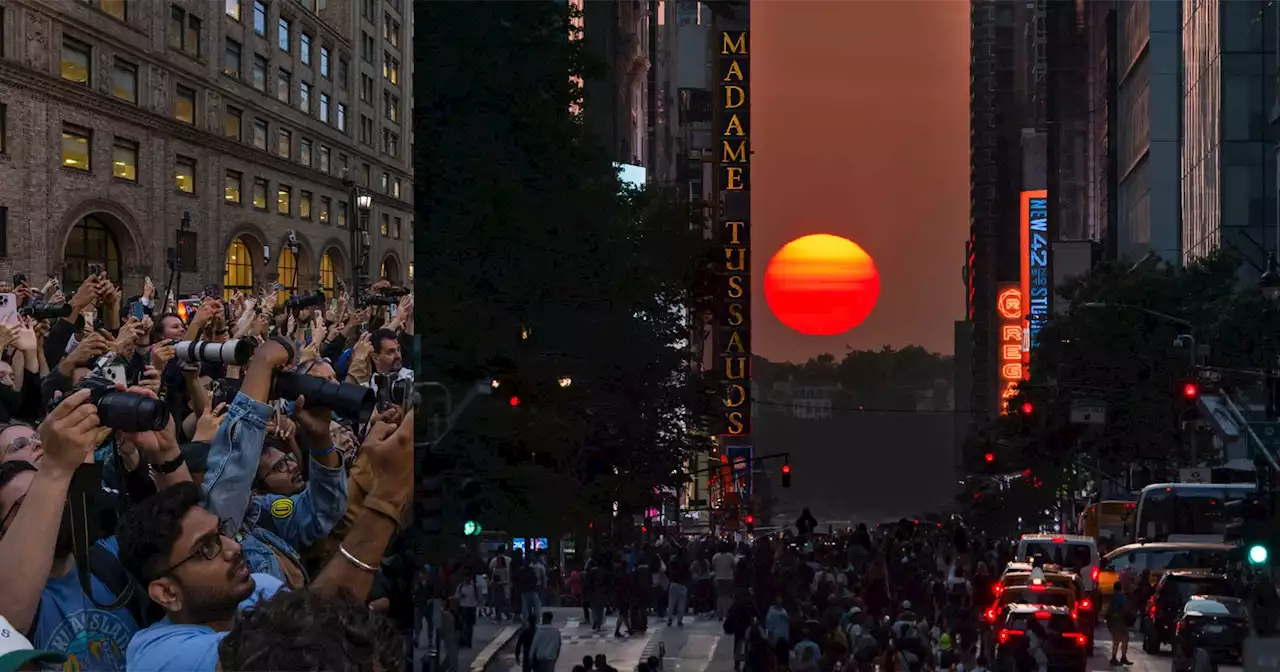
x: 284, y: 143
x: 259, y: 193
x: 324, y: 61
x: 304, y: 152
x: 287, y: 269
x: 231, y: 122
x: 384, y: 185
x: 260, y: 134
x: 390, y: 68
x: 304, y: 48
x: 324, y: 159
x: 395, y: 187
x: 233, y: 9
x: 411, y: 270
x: 124, y: 159
x: 304, y: 205
x: 284, y: 85
x: 282, y: 199
x: 184, y: 105
x: 323, y: 215
x: 185, y: 174
x: 304, y: 97
x: 231, y: 59
x: 238, y: 276
x: 75, y: 147
x: 124, y: 81
x: 260, y: 17
x: 283, y: 35
x: 115, y: 8
x: 234, y: 181
x: 342, y: 214
x: 324, y: 107
x: 385, y: 227
x: 328, y: 275
x: 76, y: 57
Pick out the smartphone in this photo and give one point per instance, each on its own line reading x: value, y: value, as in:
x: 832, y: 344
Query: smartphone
x: 224, y: 391
x: 9, y: 310
x: 187, y: 309
x: 137, y: 310
x: 95, y: 269
x: 19, y: 278
x: 110, y: 366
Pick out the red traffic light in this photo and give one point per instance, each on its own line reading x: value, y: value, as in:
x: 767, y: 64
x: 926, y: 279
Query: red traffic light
x: 750, y: 519
x: 989, y: 457
x: 786, y: 468
x: 1027, y: 408
x: 1190, y: 391
x: 515, y: 401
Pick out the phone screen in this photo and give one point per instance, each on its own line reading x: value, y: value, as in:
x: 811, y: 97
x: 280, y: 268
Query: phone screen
x: 137, y: 310
x: 9, y: 310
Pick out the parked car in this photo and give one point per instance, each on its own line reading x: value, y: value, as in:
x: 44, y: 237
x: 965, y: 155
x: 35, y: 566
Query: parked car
x: 1217, y: 624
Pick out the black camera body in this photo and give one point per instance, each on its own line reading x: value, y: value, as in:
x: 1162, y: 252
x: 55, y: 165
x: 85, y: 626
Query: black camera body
x: 395, y: 290
x: 379, y: 300
x: 309, y: 300
x: 45, y: 311
x: 347, y: 400
x: 121, y: 411
x: 395, y: 392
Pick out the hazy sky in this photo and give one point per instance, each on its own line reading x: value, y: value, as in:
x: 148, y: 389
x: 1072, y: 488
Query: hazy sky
x: 860, y: 128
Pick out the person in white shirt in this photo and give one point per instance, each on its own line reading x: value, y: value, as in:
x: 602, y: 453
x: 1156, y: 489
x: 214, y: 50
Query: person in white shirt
x: 722, y: 565
x: 500, y: 586
x: 468, y: 602
x: 545, y: 649
x: 482, y: 588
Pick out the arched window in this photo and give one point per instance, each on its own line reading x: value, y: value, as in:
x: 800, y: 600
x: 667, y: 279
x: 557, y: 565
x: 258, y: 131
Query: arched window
x: 287, y: 270
x: 90, y: 242
x: 328, y: 276
x: 239, y: 270
x: 390, y: 269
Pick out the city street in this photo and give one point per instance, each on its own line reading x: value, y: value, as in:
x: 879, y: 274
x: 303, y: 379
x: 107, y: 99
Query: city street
x: 1142, y: 662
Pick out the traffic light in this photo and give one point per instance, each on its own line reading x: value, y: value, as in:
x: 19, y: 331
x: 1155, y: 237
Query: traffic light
x: 786, y: 475
x: 430, y: 505
x: 468, y: 497
x: 1249, y: 526
x: 1190, y: 391
x: 990, y: 458
x: 514, y: 401
x: 1027, y: 408
x: 750, y: 522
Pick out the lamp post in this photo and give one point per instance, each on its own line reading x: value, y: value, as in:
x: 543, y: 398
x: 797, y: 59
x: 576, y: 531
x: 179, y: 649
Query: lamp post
x: 360, y: 242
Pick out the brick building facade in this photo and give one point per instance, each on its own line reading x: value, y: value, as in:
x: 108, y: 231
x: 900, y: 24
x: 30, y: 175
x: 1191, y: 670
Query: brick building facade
x: 247, y: 118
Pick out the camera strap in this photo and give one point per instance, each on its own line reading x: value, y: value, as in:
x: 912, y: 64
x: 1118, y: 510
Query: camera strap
x: 85, y: 483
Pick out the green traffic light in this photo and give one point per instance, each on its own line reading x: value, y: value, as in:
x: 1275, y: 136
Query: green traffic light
x: 1258, y: 554
x: 471, y: 528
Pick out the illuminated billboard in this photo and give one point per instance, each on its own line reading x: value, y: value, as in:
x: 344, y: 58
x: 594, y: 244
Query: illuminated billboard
x: 731, y: 329
x: 1033, y: 224
x: 1010, y: 368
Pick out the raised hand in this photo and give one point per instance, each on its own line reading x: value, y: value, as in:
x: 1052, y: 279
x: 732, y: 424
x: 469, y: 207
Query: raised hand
x: 70, y: 433
x: 210, y: 420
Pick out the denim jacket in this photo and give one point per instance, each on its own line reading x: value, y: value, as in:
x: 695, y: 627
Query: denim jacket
x: 233, y: 459
x: 257, y: 543
x: 305, y: 518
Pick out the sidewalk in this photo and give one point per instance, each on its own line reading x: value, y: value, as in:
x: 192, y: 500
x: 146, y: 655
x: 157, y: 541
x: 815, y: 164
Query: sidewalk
x: 492, y: 638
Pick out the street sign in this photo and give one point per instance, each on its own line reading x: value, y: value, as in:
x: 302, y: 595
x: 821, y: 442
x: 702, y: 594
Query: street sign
x: 1195, y: 475
x: 1268, y: 433
x: 1261, y: 654
x: 1088, y: 412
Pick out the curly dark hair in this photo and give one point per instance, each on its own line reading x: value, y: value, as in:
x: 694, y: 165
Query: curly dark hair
x: 148, y: 530
x: 304, y: 630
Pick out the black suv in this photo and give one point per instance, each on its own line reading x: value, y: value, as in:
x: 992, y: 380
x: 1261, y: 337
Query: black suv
x: 1025, y: 628
x: 1212, y: 625
x: 1165, y: 606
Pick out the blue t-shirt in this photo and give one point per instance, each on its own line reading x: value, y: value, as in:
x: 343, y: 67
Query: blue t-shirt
x: 70, y: 623
x: 165, y: 646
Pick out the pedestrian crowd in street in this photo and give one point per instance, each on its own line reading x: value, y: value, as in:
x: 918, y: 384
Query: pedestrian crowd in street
x: 184, y: 487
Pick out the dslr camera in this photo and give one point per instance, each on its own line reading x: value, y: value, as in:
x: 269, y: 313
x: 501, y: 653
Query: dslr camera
x: 347, y: 400
x: 121, y: 411
x: 395, y: 392
x: 45, y: 311
x: 308, y: 300
x: 235, y: 352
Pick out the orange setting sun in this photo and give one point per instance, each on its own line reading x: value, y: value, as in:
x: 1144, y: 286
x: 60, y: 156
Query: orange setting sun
x: 821, y: 285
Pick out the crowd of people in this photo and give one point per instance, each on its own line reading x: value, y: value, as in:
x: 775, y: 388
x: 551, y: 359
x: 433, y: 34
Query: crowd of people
x: 204, y: 482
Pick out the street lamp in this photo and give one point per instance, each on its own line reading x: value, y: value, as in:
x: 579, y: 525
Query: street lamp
x: 1270, y: 280
x: 364, y: 201
x: 360, y: 242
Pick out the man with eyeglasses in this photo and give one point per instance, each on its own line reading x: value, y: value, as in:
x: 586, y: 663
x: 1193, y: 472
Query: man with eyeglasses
x: 40, y: 590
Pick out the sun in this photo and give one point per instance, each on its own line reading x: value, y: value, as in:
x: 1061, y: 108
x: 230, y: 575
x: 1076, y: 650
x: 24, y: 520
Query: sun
x: 821, y: 285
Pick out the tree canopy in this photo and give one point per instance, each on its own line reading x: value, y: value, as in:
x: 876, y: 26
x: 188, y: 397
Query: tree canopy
x: 538, y: 268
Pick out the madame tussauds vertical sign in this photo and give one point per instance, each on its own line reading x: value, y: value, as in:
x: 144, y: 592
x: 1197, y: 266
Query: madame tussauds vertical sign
x: 732, y: 233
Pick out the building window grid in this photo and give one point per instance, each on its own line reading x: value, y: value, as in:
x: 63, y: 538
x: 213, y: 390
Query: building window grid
x: 283, y: 34
x: 238, y: 273
x: 231, y: 59
x: 284, y: 86
x: 304, y: 204
x: 304, y: 96
x: 260, y: 134
x: 260, y: 189
x: 324, y: 61
x: 124, y: 159
x: 184, y: 104
x: 124, y: 81
x: 260, y: 65
x: 184, y: 174
x: 304, y: 47
x: 234, y: 183
x: 324, y: 107
x: 328, y: 275
x: 184, y: 31
x: 233, y: 9
x: 77, y: 61
x: 304, y: 152
x: 284, y: 143
x: 323, y: 215
x: 260, y: 12
x: 77, y: 144
x: 284, y: 194
x: 233, y: 123
x: 341, y: 215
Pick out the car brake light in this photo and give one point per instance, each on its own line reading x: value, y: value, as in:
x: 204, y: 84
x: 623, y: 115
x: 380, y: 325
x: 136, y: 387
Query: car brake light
x: 998, y: 589
x: 1037, y: 587
x: 1085, y: 604
x: 991, y: 615
x: 1094, y: 574
x: 1075, y: 615
x: 1059, y: 540
x: 1042, y: 615
x: 1080, y: 638
x: 1004, y: 635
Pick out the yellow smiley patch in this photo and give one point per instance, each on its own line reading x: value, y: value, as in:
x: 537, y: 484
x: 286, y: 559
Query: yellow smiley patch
x: 282, y: 508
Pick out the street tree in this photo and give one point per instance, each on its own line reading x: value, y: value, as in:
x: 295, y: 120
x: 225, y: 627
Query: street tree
x: 538, y: 268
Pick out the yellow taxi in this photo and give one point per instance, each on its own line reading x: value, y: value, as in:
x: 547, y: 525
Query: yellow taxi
x: 1158, y: 558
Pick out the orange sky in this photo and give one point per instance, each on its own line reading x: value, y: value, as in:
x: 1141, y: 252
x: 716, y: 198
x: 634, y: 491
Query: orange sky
x: 860, y: 128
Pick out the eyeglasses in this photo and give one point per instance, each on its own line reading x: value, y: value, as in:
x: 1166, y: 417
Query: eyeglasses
x: 282, y: 464
x: 209, y: 548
